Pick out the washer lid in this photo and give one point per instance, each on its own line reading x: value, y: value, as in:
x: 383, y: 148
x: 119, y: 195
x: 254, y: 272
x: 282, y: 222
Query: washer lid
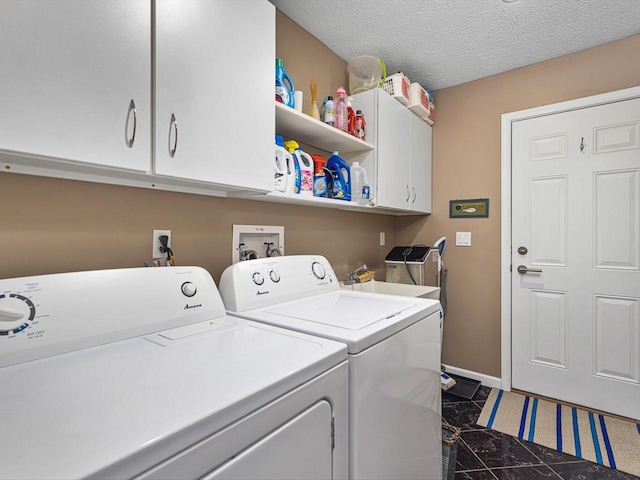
x: 342, y: 311
x: 358, y: 319
x: 116, y: 410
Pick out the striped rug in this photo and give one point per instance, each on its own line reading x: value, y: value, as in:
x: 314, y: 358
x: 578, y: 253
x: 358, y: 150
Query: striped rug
x: 602, y: 439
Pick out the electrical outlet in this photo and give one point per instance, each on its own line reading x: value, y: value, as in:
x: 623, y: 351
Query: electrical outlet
x: 156, y: 243
x: 382, y: 239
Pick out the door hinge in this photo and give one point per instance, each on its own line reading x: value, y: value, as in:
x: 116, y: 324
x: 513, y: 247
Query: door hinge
x: 333, y: 433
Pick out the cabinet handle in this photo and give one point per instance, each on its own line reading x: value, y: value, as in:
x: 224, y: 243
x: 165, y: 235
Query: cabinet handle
x: 174, y: 124
x: 408, y: 193
x: 414, y: 194
x: 132, y: 108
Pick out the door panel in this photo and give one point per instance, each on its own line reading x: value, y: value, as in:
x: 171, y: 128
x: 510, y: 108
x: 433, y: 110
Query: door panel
x: 576, y: 208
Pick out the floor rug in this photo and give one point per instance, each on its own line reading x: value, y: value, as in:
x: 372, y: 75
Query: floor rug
x: 602, y: 439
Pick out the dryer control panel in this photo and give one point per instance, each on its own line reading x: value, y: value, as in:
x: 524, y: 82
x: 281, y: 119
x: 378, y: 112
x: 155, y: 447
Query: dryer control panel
x: 267, y: 281
x: 51, y: 314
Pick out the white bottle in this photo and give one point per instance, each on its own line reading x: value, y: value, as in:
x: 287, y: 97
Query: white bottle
x: 360, y: 190
x: 280, y: 171
x: 291, y: 173
x: 306, y: 173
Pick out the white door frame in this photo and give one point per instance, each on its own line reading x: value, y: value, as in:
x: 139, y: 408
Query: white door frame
x: 505, y: 178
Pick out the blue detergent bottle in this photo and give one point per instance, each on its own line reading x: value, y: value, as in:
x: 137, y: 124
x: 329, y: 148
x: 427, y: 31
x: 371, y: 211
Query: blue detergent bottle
x: 284, y: 92
x: 341, y: 173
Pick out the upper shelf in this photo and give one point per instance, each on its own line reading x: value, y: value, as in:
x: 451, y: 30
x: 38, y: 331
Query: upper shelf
x: 296, y: 125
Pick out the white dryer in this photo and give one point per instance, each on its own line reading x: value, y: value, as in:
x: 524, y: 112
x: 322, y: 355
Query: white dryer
x: 394, y: 357
x: 139, y: 373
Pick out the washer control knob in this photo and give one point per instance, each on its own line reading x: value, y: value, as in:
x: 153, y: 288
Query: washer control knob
x: 274, y: 276
x: 189, y: 289
x: 10, y: 315
x: 258, y: 279
x: 318, y: 270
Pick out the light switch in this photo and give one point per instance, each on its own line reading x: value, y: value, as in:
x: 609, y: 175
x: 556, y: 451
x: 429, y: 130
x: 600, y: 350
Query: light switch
x: 463, y: 239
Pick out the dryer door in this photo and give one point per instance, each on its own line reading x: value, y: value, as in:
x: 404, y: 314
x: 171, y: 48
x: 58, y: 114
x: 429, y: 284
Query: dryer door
x: 300, y: 449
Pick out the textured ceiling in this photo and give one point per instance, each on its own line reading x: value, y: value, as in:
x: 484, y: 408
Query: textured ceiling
x: 441, y: 43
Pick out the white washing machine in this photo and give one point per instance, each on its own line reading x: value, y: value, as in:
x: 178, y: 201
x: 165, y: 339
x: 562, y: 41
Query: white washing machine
x: 139, y: 373
x: 394, y: 357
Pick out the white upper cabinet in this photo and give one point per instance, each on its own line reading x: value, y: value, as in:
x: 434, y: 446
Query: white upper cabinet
x: 214, y: 90
x: 76, y: 81
x: 420, y: 177
x: 402, y: 152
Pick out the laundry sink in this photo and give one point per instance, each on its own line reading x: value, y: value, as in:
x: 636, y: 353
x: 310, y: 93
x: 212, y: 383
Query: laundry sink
x: 389, y: 288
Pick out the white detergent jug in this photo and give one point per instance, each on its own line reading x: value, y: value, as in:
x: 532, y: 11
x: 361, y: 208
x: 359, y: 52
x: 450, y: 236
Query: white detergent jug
x: 280, y: 171
x: 360, y: 190
x: 306, y: 173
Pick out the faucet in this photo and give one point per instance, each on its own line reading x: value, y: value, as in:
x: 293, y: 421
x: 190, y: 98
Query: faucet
x: 352, y: 277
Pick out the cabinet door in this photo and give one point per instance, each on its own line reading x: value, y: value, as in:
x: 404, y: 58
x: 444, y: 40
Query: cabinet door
x: 420, y: 165
x: 70, y: 71
x: 215, y: 74
x: 393, y: 153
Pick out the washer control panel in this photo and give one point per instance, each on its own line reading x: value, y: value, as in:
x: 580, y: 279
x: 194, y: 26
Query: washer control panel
x: 51, y: 314
x: 257, y: 283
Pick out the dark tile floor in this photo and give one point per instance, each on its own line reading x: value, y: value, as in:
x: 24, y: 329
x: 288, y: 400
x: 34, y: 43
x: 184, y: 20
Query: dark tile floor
x: 489, y: 455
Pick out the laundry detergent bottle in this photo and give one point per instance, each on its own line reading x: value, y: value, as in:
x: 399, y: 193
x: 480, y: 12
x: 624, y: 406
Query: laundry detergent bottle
x: 305, y: 164
x: 280, y: 172
x: 319, y: 178
x: 341, y: 173
x: 294, y: 174
x: 284, y: 92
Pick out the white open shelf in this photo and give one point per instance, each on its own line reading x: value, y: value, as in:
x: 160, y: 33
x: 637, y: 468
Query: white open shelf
x: 301, y: 127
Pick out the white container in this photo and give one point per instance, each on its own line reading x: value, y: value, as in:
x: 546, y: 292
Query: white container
x: 291, y: 173
x: 419, y: 101
x: 399, y: 87
x: 306, y: 173
x: 360, y: 189
x: 280, y: 170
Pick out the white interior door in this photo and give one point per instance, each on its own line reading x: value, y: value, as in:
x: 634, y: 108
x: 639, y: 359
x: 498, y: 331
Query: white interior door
x: 576, y: 228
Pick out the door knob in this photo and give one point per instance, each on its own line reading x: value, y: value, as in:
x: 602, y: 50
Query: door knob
x: 524, y: 269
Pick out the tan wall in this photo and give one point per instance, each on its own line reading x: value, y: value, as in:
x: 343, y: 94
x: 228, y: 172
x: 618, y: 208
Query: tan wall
x: 50, y: 225
x: 466, y: 164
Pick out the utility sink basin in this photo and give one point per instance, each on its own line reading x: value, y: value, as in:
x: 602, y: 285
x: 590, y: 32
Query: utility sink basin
x: 389, y: 288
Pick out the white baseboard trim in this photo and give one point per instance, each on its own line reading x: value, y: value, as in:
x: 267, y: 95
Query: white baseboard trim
x: 486, y: 380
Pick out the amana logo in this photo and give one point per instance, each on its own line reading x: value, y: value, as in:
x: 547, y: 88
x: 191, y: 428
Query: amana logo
x: 189, y: 307
x: 262, y: 293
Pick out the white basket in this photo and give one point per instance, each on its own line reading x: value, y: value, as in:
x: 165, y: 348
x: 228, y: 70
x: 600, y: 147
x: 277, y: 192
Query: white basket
x: 419, y: 101
x: 399, y: 87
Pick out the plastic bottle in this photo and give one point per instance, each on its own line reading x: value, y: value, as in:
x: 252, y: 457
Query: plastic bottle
x: 293, y: 170
x: 341, y: 173
x: 284, y: 93
x: 360, y: 190
x: 330, y: 112
x: 280, y: 173
x: 303, y: 167
x: 360, y: 123
x: 342, y: 112
x: 319, y: 179
x: 306, y: 173
x: 351, y: 130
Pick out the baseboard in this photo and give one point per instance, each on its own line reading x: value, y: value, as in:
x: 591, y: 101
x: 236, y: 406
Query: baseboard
x: 486, y: 380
